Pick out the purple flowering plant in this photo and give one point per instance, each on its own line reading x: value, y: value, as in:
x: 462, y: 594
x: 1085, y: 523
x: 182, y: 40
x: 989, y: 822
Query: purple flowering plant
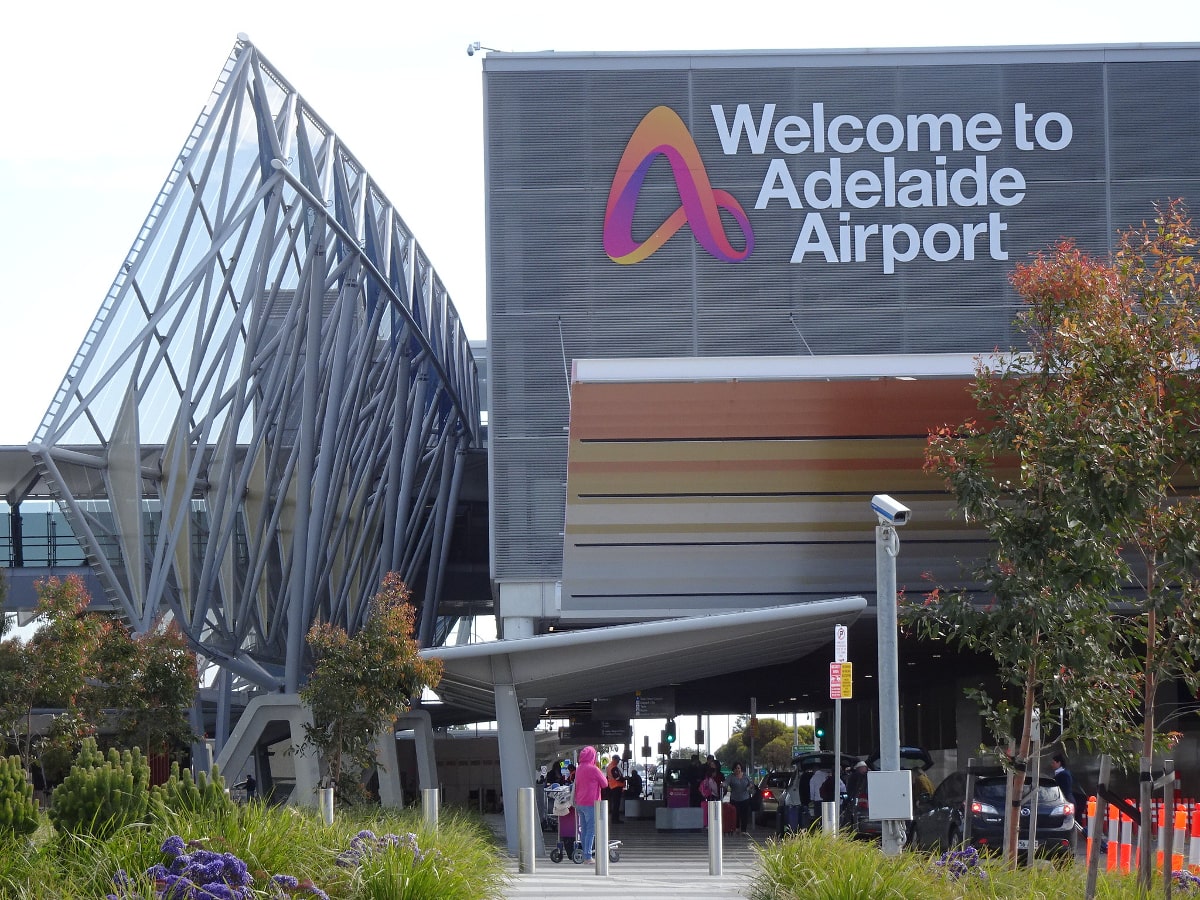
x: 1186, y: 882
x: 367, y: 844
x: 958, y: 864
x: 194, y: 872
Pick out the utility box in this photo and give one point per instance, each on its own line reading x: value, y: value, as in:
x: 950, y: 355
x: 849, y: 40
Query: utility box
x: 889, y: 795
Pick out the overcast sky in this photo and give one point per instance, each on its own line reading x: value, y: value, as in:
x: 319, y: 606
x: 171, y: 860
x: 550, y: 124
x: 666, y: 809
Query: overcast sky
x: 100, y: 97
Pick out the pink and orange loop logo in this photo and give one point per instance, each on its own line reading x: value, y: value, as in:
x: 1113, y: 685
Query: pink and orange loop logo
x: 663, y: 133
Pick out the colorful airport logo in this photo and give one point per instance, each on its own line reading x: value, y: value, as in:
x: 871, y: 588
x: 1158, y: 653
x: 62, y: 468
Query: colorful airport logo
x: 663, y: 133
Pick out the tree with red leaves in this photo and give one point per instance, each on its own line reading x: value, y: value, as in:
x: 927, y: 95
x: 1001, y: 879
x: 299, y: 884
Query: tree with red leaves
x: 1071, y: 471
x: 361, y: 682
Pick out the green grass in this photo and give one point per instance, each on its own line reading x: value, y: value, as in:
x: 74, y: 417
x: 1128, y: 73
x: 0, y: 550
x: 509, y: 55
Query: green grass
x: 271, y: 841
x: 816, y: 866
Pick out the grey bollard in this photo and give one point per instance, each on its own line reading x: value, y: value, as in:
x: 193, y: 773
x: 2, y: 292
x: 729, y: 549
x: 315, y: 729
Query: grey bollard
x: 429, y: 806
x: 716, y: 839
x: 202, y: 757
x: 828, y: 811
x: 601, y: 851
x: 526, y: 819
x: 325, y: 799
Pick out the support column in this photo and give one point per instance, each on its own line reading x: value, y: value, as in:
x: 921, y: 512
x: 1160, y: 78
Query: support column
x: 391, y: 790
x: 18, y: 539
x: 517, y: 627
x: 522, y: 603
x: 516, y: 762
x: 387, y: 768
x: 968, y: 725
x: 260, y: 712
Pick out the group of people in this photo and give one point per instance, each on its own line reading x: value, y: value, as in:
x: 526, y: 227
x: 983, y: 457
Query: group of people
x: 738, y: 787
x: 591, y: 783
x: 617, y: 785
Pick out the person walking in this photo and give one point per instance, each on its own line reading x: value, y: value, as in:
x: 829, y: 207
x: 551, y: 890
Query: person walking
x: 590, y: 783
x: 739, y: 787
x: 1063, y: 776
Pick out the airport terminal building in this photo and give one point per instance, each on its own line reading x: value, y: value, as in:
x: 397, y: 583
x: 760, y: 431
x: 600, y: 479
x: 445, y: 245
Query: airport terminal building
x: 730, y: 292
x: 728, y: 295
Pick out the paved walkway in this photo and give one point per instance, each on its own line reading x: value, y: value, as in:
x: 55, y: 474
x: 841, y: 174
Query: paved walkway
x: 653, y: 864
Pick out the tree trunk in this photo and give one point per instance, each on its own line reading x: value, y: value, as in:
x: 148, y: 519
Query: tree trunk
x: 1012, y: 821
x: 1145, y: 786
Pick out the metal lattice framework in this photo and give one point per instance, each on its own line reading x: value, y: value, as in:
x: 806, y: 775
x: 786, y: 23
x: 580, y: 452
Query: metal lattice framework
x: 271, y: 409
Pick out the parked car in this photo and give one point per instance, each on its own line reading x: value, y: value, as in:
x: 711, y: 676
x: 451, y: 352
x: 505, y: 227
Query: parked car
x: 770, y: 790
x: 856, y: 810
x: 940, y: 827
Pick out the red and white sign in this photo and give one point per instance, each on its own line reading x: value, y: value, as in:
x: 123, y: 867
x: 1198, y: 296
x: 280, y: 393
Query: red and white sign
x: 841, y: 680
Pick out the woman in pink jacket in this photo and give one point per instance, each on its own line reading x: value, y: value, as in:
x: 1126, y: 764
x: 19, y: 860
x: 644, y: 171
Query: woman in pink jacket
x: 589, y: 782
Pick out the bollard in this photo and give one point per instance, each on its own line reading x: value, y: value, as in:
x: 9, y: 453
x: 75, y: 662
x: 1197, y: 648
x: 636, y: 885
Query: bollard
x: 526, y: 817
x: 828, y: 822
x: 715, y: 838
x: 429, y: 806
x: 326, y: 803
x: 601, y: 849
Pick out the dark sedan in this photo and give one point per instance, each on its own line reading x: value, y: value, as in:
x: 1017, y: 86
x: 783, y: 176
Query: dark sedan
x: 940, y: 826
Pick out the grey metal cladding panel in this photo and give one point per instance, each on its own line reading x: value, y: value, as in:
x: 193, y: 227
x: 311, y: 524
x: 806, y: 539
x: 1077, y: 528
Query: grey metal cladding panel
x: 566, y: 129
x: 532, y: 400
x: 1133, y: 202
x: 1155, y: 112
x: 528, y: 501
x: 529, y: 372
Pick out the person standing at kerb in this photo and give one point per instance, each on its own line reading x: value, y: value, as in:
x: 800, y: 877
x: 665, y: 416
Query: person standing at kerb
x: 739, y: 787
x: 616, y: 791
x: 590, y: 783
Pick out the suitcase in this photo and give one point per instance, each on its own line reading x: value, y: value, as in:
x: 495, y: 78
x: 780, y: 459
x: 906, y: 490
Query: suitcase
x: 728, y: 818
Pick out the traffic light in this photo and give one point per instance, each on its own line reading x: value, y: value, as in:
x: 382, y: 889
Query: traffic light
x: 818, y: 730
x: 670, y: 731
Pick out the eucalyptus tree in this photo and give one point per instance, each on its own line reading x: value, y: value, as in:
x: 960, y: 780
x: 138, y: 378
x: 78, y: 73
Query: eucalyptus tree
x: 1044, y: 614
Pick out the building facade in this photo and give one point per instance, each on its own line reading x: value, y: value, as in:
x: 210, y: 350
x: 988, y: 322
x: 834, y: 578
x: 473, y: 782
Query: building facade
x: 835, y: 207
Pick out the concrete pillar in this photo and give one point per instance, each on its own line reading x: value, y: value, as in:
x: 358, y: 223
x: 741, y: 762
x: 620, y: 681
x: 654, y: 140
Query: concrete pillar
x: 515, y: 627
x: 516, y: 760
x: 968, y: 725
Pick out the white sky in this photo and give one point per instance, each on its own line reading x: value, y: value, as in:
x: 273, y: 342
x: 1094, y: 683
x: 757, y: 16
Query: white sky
x: 100, y: 97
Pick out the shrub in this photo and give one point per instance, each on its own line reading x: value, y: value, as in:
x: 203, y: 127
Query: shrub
x: 101, y: 794
x: 18, y: 811
x: 183, y: 794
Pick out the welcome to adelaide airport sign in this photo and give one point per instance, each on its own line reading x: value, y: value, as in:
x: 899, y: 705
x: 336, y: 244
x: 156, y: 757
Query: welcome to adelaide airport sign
x: 826, y: 172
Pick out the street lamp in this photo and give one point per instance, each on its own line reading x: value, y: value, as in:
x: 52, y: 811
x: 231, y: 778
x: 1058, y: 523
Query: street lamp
x: 890, y: 515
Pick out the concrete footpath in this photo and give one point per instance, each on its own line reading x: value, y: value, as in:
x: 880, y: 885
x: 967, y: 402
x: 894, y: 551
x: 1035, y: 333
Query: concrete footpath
x: 653, y: 864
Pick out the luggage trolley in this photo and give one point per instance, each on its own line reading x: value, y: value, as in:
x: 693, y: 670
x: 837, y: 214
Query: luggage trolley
x: 560, y: 797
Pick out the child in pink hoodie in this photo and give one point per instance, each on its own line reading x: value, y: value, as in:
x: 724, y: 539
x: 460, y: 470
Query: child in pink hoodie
x: 589, y: 782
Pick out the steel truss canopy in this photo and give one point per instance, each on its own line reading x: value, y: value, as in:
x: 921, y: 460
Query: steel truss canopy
x: 271, y: 408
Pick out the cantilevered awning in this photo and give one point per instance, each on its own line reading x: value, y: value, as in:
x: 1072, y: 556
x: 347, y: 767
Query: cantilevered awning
x: 581, y: 665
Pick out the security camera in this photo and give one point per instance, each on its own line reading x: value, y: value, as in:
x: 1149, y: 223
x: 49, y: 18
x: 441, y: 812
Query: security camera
x: 890, y: 512
x: 472, y: 47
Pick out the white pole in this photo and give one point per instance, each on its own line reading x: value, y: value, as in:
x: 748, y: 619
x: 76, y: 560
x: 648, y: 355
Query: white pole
x: 715, y: 838
x: 327, y: 805
x: 429, y: 806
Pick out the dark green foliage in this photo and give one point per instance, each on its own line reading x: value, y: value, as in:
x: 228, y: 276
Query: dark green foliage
x: 183, y: 794
x: 18, y: 811
x: 101, y: 795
